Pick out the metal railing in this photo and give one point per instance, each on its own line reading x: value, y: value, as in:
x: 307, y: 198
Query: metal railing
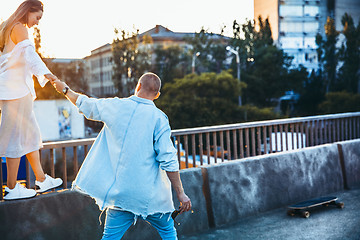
x: 206, y: 145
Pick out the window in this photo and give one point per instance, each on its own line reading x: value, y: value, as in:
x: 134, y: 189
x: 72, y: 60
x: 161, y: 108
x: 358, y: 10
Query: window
x: 292, y: 42
x: 311, y: 11
x: 290, y: 11
x: 311, y: 26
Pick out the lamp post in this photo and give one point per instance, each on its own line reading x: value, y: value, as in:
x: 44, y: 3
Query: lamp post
x: 236, y: 52
x: 195, y: 55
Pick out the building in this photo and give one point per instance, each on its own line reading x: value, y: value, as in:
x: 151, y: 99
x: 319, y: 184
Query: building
x: 100, y: 64
x: 295, y: 23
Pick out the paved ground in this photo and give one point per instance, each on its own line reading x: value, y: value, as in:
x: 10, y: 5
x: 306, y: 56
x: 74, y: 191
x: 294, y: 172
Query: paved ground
x: 324, y: 223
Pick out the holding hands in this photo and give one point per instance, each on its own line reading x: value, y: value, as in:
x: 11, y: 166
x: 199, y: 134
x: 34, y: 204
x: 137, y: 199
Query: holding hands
x: 59, y: 85
x: 51, y: 77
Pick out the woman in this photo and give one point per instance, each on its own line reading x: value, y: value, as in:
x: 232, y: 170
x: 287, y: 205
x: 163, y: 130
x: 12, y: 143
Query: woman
x: 19, y: 131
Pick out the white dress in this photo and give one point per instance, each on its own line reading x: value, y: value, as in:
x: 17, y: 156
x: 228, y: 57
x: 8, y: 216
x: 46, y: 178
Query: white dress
x: 19, y: 131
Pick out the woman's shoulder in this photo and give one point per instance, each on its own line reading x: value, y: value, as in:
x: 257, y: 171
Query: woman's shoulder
x: 19, y: 33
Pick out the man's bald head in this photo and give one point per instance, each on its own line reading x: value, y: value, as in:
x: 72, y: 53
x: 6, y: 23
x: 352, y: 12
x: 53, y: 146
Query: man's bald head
x: 150, y: 83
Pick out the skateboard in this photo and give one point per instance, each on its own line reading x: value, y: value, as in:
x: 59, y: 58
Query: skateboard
x: 303, y: 207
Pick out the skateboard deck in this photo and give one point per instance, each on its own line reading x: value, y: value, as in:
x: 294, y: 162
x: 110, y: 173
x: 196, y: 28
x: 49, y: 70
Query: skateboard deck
x: 303, y: 207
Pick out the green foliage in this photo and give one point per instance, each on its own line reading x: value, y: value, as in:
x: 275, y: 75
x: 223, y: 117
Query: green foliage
x: 253, y: 113
x: 129, y: 62
x: 264, y: 67
x: 311, y: 95
x: 170, y: 63
x: 350, y: 56
x: 328, y: 54
x: 200, y: 100
x: 340, y: 102
x: 212, y: 51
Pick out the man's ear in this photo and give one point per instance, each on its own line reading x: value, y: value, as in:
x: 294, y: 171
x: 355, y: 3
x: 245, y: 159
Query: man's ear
x: 138, y: 87
x: 157, y: 95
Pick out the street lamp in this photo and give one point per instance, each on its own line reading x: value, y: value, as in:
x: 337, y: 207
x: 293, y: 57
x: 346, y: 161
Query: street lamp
x: 236, y: 52
x: 195, y: 55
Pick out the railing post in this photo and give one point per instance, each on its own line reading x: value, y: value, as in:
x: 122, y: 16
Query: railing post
x: 235, y: 144
x: 215, y: 146
x: 270, y: 139
x: 253, y: 153
x: 281, y: 138
x: 193, y: 149
x: 52, y: 168
x: 228, y: 147
x: 201, y: 153
x: 186, y: 146
x: 1, y: 180
x: 264, y: 140
x: 241, y: 142
x: 222, y: 145
x: 208, y: 149
x: 64, y: 167
x: 258, y: 136
x: 178, y: 150
x: 75, y: 164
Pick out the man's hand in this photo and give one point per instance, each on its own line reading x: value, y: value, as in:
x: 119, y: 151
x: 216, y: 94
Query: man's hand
x: 59, y: 85
x: 185, y: 203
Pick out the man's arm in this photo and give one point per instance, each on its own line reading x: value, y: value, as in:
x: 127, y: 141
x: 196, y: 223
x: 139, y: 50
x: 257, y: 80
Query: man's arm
x: 71, y: 95
x: 185, y: 203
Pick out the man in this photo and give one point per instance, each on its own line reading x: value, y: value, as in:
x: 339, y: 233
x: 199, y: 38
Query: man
x: 129, y: 166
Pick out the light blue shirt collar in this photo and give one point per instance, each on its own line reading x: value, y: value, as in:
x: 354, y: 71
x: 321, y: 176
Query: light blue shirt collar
x: 141, y: 100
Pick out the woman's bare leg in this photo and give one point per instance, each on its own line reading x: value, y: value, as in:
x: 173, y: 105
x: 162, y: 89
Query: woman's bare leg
x: 12, y: 165
x: 34, y: 160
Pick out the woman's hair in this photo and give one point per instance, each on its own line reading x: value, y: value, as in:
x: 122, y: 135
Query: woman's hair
x: 20, y: 15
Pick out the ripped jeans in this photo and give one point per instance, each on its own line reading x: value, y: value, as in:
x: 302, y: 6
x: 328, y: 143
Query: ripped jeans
x: 118, y: 221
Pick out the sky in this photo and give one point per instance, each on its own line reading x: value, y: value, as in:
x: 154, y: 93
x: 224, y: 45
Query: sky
x: 72, y: 28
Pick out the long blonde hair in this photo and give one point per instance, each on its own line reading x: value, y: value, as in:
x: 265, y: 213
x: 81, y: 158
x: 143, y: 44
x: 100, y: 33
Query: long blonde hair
x: 20, y: 15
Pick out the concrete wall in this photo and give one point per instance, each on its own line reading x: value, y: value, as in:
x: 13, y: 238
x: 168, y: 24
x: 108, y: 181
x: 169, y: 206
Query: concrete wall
x: 244, y: 187
x: 220, y: 194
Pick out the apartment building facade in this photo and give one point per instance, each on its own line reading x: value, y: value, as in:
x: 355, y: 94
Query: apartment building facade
x: 295, y: 23
x: 101, y: 67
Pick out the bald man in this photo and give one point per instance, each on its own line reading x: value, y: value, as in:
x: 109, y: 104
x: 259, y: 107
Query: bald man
x: 132, y: 164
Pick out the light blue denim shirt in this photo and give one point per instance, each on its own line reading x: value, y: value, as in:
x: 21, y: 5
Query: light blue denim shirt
x: 125, y: 167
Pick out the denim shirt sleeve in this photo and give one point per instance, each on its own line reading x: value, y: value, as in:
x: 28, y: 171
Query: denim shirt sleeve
x: 96, y: 109
x: 165, y: 150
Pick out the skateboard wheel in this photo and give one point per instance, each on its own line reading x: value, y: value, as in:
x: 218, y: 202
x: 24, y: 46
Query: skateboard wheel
x: 305, y: 214
x: 290, y: 212
x: 340, y: 205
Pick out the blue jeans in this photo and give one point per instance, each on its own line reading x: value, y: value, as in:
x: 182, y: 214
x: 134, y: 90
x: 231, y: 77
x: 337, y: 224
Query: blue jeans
x: 118, y: 221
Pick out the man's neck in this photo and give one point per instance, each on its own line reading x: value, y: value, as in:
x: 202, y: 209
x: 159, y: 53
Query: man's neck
x: 140, y: 95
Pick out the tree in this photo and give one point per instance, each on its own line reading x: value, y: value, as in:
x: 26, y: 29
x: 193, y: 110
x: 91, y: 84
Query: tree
x: 212, y: 49
x: 130, y: 61
x: 170, y: 63
x: 264, y: 67
x: 340, y: 102
x: 328, y: 55
x: 350, y: 56
x: 200, y: 100
x: 312, y: 95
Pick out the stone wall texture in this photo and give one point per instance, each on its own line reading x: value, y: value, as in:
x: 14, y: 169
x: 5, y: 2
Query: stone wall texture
x: 220, y: 194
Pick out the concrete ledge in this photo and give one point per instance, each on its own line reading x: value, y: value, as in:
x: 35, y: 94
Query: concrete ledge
x: 244, y: 187
x: 351, y: 158
x: 60, y: 215
x: 220, y: 194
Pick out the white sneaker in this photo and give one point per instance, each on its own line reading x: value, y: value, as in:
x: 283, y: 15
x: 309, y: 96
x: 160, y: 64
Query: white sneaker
x: 18, y: 192
x: 48, y: 183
